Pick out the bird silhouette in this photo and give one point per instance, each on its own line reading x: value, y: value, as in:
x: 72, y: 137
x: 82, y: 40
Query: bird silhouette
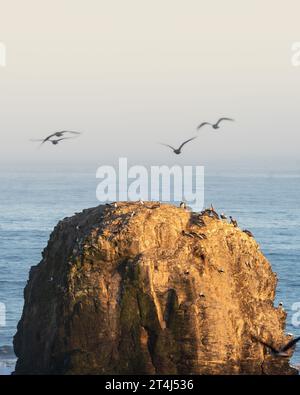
x: 177, y: 151
x: 214, y: 125
x: 55, y: 141
x: 57, y: 134
x: 282, y: 351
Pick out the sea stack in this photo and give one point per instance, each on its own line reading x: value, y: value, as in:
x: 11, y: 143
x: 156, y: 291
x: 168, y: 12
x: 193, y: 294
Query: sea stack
x: 122, y: 294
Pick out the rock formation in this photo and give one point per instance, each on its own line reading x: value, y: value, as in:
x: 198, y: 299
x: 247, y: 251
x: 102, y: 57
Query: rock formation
x: 149, y: 289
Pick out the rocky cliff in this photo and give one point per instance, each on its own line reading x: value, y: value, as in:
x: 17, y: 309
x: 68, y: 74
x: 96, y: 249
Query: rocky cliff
x: 150, y: 289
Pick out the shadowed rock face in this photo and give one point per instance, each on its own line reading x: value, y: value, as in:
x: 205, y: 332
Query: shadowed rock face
x: 123, y: 293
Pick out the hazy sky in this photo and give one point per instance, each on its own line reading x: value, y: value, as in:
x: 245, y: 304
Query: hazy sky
x: 129, y: 74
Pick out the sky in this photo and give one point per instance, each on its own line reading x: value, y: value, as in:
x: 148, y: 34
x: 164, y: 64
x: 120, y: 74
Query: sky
x: 130, y: 74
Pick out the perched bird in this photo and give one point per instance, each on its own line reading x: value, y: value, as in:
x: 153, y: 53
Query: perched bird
x: 184, y: 233
x: 199, y: 222
x: 56, y: 134
x: 113, y: 204
x: 250, y: 234
x: 200, y: 236
x: 210, y: 212
x: 182, y: 205
x: 205, y: 212
x: 213, y: 212
x: 196, y: 219
x: 177, y: 151
x: 223, y: 216
x: 157, y: 205
x: 153, y: 206
x: 216, y: 125
x: 233, y: 222
x: 282, y: 351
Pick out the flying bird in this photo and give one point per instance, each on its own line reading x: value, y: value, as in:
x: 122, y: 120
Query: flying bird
x: 216, y: 125
x: 177, y: 151
x: 282, y: 351
x: 57, y: 134
x: 55, y: 141
x: 60, y: 134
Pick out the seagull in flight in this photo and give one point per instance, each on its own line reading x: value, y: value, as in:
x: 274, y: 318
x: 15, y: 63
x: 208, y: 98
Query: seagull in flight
x: 177, y: 151
x: 216, y: 125
x: 55, y: 141
x: 57, y: 134
x: 282, y: 351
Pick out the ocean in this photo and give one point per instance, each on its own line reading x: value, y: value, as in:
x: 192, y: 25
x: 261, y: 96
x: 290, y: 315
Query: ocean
x: 32, y: 201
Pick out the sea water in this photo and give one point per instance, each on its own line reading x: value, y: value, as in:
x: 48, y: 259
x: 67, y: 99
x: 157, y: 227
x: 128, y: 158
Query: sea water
x: 32, y: 201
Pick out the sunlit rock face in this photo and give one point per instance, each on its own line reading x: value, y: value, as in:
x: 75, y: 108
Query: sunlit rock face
x: 148, y: 289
